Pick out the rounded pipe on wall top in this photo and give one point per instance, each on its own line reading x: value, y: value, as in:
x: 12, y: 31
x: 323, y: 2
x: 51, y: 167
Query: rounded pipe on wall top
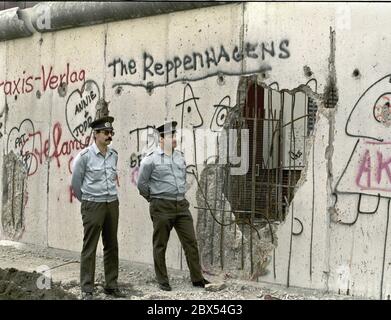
x: 52, y: 16
x: 12, y: 25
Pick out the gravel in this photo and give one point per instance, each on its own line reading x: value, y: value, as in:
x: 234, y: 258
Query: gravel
x: 136, y: 280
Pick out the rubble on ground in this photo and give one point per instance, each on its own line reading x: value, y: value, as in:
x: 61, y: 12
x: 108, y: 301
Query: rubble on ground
x: 136, y: 280
x: 22, y: 285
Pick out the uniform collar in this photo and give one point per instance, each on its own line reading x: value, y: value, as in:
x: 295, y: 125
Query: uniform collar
x: 96, y: 149
x: 160, y: 151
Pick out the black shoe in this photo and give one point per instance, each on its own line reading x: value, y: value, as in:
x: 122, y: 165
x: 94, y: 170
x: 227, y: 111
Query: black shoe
x: 87, y: 296
x: 201, y: 283
x: 114, y: 292
x: 165, y: 286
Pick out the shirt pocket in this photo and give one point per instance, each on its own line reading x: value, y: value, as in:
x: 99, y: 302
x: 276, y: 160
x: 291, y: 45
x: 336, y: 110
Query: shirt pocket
x: 182, y: 165
x: 96, y: 174
x: 112, y: 171
x: 179, y: 166
x: 164, y: 172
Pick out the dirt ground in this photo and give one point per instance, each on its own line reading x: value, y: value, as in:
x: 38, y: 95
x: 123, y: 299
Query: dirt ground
x: 31, y: 272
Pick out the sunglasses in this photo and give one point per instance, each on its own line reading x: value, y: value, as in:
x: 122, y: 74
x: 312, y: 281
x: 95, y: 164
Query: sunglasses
x: 107, y: 132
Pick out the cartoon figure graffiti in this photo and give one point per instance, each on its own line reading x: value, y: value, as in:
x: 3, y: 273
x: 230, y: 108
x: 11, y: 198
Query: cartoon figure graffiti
x: 367, y: 172
x: 146, y: 138
x: 191, y: 119
x: 220, y: 115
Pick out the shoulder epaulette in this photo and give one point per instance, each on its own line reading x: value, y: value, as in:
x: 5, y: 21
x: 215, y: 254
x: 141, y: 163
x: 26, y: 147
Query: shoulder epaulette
x: 83, y: 152
x: 114, y: 150
x: 149, y: 153
x: 181, y: 152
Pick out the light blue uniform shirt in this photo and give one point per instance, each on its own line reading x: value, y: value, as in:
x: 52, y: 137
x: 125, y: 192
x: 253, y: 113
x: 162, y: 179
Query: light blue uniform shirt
x: 94, y: 176
x: 162, y: 176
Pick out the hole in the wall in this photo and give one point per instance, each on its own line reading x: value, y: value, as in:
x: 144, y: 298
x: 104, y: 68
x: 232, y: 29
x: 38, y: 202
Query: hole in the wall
x: 381, y: 109
x: 38, y: 94
x: 330, y: 94
x: 279, y: 123
x: 222, y: 117
x: 16, y: 97
x: 307, y: 72
x: 264, y: 75
x: 62, y: 89
x: 356, y: 73
x: 150, y: 88
x: 220, y: 79
x: 40, y: 41
x: 118, y: 90
x: 250, y: 205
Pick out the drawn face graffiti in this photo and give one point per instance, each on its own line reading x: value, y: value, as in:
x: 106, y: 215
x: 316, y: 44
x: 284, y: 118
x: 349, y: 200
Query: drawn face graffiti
x: 220, y: 115
x: 80, y: 109
x: 374, y: 104
x: 382, y: 109
x: 191, y: 116
x: 368, y: 170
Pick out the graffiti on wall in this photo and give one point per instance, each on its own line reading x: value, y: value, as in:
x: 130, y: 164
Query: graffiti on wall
x: 367, y: 173
x: 21, y: 142
x: 80, y: 109
x: 33, y: 149
x: 47, y: 79
x: 26, y: 147
x: 220, y: 114
x: 144, y: 136
x: 135, y: 161
x: 190, y: 120
x: 31, y: 146
x: 174, y: 69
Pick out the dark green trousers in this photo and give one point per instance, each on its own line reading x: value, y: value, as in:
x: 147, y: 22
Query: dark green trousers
x: 99, y: 217
x: 165, y: 215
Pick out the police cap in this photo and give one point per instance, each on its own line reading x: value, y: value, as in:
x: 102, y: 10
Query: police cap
x: 168, y: 127
x: 104, y: 123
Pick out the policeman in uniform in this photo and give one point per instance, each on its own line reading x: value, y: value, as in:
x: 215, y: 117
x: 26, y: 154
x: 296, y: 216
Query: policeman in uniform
x: 162, y: 182
x: 94, y: 177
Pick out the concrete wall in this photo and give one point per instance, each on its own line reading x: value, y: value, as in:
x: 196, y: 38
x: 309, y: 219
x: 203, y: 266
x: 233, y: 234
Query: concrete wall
x: 126, y: 63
